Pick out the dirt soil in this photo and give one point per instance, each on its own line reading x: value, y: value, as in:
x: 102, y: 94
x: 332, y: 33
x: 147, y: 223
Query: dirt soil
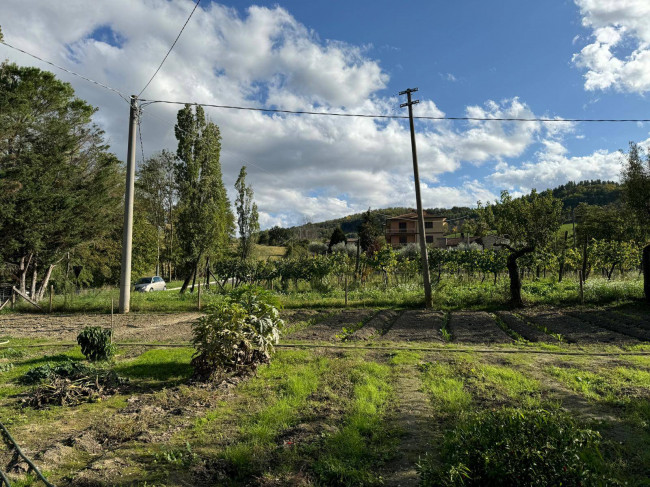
x: 526, y: 330
x: 377, y: 325
x: 576, y: 330
x: 331, y: 326
x: 616, y: 323
x: 131, y: 327
x: 475, y: 327
x: 416, y: 326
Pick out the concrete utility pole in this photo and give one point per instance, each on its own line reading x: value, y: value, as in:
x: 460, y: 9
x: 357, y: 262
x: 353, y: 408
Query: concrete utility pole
x: 428, y: 302
x: 125, y: 279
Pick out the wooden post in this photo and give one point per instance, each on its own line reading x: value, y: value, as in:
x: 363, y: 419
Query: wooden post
x: 199, y: 295
x: 51, y: 296
x: 582, y: 291
x: 112, y: 307
x: 13, y: 300
x: 346, y: 290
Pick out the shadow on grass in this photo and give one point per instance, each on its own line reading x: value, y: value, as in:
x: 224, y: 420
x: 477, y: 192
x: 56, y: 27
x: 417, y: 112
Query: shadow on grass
x: 159, y: 372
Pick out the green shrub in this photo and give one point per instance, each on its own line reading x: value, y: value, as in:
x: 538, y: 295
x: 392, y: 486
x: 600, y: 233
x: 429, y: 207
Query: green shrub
x: 511, y: 447
x: 65, y: 370
x: 238, y: 333
x: 96, y: 343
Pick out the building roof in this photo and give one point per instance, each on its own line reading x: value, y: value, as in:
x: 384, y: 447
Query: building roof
x: 413, y: 216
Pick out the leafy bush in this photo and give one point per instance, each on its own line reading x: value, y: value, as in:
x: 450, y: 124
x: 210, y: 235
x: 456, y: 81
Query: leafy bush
x: 511, y: 447
x: 69, y: 383
x: 66, y: 370
x: 238, y: 333
x: 96, y: 343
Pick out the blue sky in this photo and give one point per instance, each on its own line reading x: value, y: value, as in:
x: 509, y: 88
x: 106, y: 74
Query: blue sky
x: 524, y: 58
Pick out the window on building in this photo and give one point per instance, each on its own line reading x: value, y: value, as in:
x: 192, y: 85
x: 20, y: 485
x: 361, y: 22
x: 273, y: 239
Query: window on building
x: 402, y: 240
x: 428, y: 224
x: 429, y: 238
x: 402, y: 226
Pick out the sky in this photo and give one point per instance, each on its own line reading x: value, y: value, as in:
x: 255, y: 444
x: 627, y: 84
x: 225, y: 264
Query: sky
x: 559, y: 59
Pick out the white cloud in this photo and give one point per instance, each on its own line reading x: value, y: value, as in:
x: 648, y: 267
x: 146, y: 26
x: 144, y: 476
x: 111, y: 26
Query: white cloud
x: 300, y: 167
x: 619, y: 56
x: 553, y: 167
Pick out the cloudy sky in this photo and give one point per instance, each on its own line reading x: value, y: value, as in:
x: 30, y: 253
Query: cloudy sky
x: 506, y: 58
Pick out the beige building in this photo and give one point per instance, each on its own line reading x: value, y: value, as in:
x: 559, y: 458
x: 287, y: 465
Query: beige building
x: 403, y: 229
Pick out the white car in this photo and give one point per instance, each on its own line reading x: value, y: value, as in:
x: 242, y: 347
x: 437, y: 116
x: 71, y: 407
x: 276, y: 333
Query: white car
x: 146, y: 284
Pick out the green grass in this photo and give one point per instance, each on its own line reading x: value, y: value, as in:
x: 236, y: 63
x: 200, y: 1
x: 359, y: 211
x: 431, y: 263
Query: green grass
x: 351, y: 455
x: 445, y: 389
x: 451, y: 293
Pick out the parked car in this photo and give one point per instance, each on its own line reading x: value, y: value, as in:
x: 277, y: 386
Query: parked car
x: 146, y: 284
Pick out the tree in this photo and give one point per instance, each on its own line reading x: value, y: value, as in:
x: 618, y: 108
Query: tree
x: 636, y: 192
x: 59, y: 187
x: 528, y: 223
x: 156, y: 189
x: 369, y: 231
x: 205, y: 221
x: 337, y: 237
x: 247, y: 216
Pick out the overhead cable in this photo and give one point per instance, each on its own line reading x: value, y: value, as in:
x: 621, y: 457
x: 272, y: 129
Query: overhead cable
x: 170, y: 49
x: 122, y: 95
x: 365, y: 115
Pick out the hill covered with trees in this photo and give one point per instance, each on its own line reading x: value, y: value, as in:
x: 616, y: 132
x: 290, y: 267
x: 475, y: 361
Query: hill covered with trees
x: 595, y: 192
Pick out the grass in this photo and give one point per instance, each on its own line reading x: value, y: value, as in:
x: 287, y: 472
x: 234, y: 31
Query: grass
x: 451, y: 293
x: 327, y: 417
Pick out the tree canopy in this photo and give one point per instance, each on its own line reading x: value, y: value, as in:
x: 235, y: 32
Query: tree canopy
x: 59, y: 185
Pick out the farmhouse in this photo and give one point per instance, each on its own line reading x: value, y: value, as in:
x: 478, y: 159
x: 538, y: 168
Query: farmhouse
x: 403, y: 229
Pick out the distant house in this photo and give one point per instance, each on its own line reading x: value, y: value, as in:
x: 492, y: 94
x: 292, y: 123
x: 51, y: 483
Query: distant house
x: 403, y: 229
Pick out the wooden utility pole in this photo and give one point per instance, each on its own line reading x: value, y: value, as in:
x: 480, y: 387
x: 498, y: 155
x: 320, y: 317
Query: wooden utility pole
x: 428, y: 302
x: 125, y: 279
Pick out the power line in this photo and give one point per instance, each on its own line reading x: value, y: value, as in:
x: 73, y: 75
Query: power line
x: 364, y: 115
x: 170, y: 49
x: 122, y: 95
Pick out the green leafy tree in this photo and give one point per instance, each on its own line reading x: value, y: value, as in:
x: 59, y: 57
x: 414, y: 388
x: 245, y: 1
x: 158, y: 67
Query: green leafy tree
x: 528, y: 224
x: 59, y: 187
x: 247, y: 216
x: 369, y: 231
x: 636, y: 191
x: 156, y: 189
x: 337, y: 237
x: 205, y: 221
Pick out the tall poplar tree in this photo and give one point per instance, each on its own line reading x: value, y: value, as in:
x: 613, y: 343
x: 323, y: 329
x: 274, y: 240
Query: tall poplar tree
x: 205, y: 220
x: 636, y: 187
x: 247, y: 215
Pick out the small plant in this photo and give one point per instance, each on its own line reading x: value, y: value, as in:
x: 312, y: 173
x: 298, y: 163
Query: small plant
x: 96, y: 343
x: 238, y: 333
x: 69, y: 383
x: 444, y: 329
x: 512, y: 447
x: 177, y: 458
x: 345, y: 334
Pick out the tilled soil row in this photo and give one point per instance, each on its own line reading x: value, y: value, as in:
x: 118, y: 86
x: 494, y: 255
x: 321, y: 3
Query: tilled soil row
x: 575, y: 330
x: 476, y: 327
x: 616, y: 324
x: 523, y: 328
x: 416, y: 326
x: 377, y: 325
x: 327, y: 329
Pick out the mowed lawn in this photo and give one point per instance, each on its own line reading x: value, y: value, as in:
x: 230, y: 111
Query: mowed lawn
x: 379, y: 402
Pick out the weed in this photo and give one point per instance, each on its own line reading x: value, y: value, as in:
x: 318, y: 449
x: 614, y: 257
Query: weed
x: 513, y: 447
x: 178, y: 457
x: 446, y: 390
x: 444, y: 329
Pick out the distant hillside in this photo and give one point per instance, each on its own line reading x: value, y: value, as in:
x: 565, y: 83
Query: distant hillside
x: 595, y: 192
